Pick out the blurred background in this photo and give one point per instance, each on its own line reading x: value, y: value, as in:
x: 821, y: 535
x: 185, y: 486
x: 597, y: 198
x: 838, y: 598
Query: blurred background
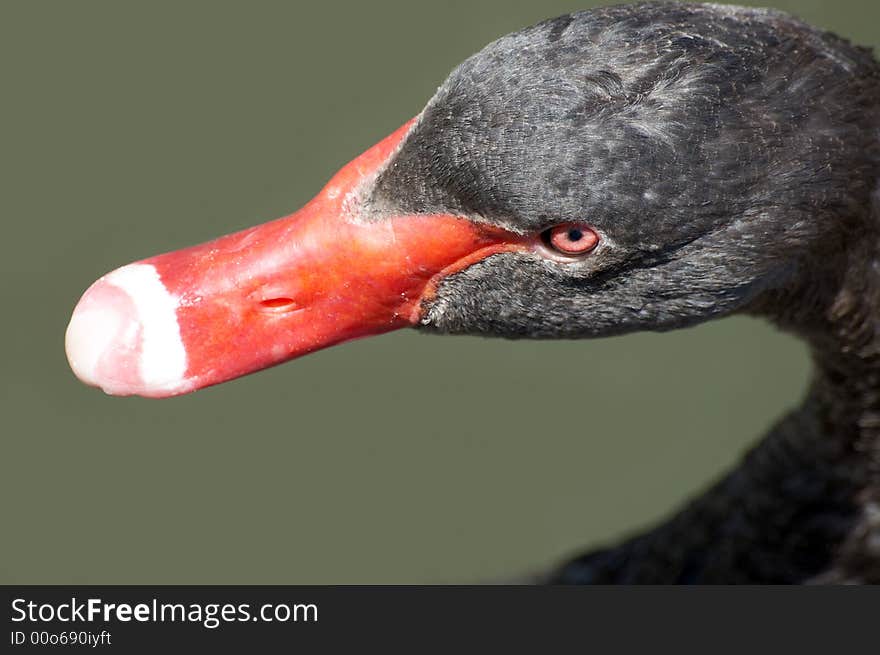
x: 129, y: 130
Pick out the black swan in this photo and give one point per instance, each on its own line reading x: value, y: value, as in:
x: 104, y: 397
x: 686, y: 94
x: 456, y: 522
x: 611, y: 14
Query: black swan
x: 641, y: 167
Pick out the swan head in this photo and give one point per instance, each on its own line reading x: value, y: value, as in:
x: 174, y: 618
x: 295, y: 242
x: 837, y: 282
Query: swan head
x: 639, y: 167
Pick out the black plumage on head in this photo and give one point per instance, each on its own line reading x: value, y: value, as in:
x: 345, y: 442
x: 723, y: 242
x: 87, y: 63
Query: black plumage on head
x: 729, y: 159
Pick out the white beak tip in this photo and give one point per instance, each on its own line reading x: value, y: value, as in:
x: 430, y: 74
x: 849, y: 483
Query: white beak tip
x: 124, y: 337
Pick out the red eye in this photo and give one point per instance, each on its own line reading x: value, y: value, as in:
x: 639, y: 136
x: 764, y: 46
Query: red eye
x: 572, y: 238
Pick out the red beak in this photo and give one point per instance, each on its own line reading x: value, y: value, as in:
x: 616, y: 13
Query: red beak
x: 199, y: 316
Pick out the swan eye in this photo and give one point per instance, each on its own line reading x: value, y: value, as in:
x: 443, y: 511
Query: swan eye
x: 572, y: 238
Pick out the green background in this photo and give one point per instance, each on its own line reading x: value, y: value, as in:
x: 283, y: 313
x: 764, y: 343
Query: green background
x: 130, y: 129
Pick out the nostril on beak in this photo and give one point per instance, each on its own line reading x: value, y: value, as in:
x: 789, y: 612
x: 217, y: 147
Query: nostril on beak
x: 282, y: 304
